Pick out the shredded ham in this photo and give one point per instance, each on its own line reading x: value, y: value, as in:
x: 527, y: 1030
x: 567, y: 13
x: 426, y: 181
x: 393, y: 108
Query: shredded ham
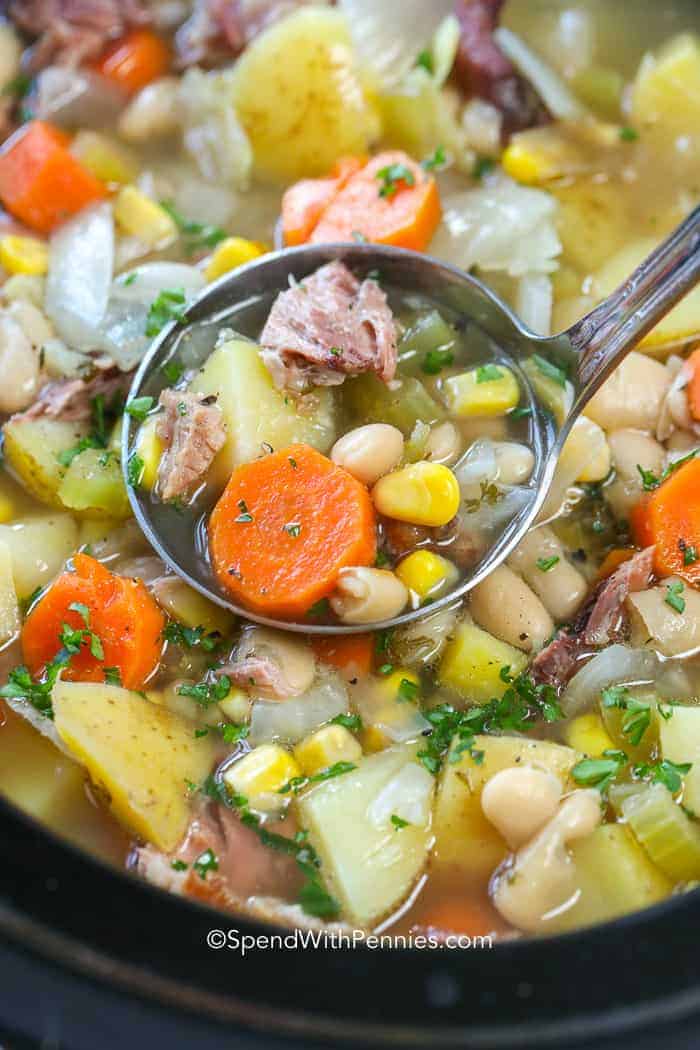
x: 71, y: 400
x: 327, y: 327
x: 261, y: 673
x: 70, y: 32
x: 483, y: 70
x: 192, y: 432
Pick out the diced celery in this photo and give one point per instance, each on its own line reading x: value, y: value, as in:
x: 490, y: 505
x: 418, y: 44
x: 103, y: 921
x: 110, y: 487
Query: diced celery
x: 679, y: 736
x: 429, y: 331
x: 93, y: 486
x: 371, y: 401
x: 668, y: 834
x: 555, y: 395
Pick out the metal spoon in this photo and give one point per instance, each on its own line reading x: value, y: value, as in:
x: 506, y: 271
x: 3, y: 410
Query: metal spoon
x: 589, y: 351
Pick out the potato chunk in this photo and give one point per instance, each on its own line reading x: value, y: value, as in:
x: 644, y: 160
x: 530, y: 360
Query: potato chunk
x: 32, y: 447
x: 140, y: 754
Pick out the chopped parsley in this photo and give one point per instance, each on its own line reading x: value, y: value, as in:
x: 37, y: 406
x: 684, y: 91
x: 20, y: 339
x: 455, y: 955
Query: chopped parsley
x: 382, y: 559
x: 292, y: 462
x: 482, y: 166
x: 112, y: 676
x: 435, y: 360
x: 668, y: 773
x: 195, y: 235
x: 550, y: 370
x: 319, y: 609
x: 336, y: 351
x: 353, y: 722
x: 599, y: 772
x: 399, y: 822
x: 232, y: 732
x: 172, y: 371
x: 206, y: 693
x: 25, y: 604
x: 520, y: 413
x: 139, y: 407
x: 191, y: 637
x: 296, y: 784
x: 674, y: 590
x: 74, y: 640
x: 425, y: 61
x: 436, y: 161
x: 488, y: 373
x: 649, y: 480
x: 628, y: 134
x: 636, y: 717
x: 134, y: 469
x: 168, y: 306
x: 19, y: 86
x: 178, y: 865
x: 408, y: 690
x: 545, y: 564
x: 391, y: 176
x: 206, y: 862
x: 293, y: 528
x: 245, y: 517
x: 385, y: 669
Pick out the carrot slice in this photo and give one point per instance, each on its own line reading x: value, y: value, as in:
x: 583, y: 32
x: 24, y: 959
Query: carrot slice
x: 304, y: 203
x: 669, y: 518
x: 135, y: 60
x: 283, y: 529
x: 351, y: 654
x: 41, y: 182
x: 406, y: 216
x: 693, y: 388
x: 120, y: 612
x: 458, y: 915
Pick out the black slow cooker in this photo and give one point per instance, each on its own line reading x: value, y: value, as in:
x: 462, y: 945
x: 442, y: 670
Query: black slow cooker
x: 92, y: 959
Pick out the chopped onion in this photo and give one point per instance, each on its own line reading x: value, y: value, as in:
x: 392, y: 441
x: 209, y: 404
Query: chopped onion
x: 408, y: 796
x: 477, y: 467
x: 77, y: 98
x: 501, y: 226
x: 399, y: 721
x: 445, y: 47
x: 420, y: 643
x: 45, y: 726
x: 292, y: 720
x: 493, y: 515
x: 212, y: 133
x: 615, y: 665
x: 81, y: 261
x: 388, y: 36
x: 534, y: 302
x: 482, y: 123
x: 555, y: 94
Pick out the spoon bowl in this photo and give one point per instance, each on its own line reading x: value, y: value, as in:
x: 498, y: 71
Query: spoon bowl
x: 588, y: 352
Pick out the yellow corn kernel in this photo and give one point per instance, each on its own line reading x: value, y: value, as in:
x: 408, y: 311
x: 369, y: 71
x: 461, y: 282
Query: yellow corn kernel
x: 150, y: 448
x: 426, y: 574
x: 374, y: 739
x: 588, y: 735
x: 392, y: 686
x: 24, y: 255
x: 525, y: 164
x: 106, y: 159
x: 474, y: 393
x: 422, y: 494
x: 260, y: 775
x: 236, y: 707
x: 232, y: 253
x: 7, y: 508
x: 142, y: 217
x: 600, y: 463
x: 325, y: 747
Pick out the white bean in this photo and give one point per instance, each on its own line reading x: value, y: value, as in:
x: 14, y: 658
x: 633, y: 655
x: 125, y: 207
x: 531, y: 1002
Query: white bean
x: 631, y: 449
x: 292, y: 656
x: 444, y: 444
x: 632, y: 396
x: 542, y: 879
x: 504, y: 605
x: 369, y: 452
x: 560, y: 587
x: 152, y: 113
x: 519, y: 801
x: 515, y: 462
x: 368, y: 595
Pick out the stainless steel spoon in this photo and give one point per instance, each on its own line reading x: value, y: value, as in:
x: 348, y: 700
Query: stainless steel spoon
x: 589, y: 351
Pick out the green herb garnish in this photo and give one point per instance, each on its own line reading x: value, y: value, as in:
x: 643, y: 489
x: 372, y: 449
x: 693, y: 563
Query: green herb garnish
x: 168, y: 306
x: 195, y: 235
x: 206, y: 693
x: 435, y: 360
x: 399, y: 822
x: 545, y: 564
x: 191, y: 637
x: 673, y: 598
x: 482, y: 166
x: 232, y: 732
x: 668, y: 773
x: 139, y: 407
x: 134, y: 470
x: 206, y: 862
x: 436, y: 161
x: 353, y: 722
x: 628, y: 134
x: 391, y: 176
x: 599, y: 772
x: 296, y: 784
x: 425, y: 61
x: 551, y: 371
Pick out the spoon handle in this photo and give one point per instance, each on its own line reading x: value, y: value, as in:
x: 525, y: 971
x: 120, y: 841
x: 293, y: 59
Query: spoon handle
x: 606, y: 334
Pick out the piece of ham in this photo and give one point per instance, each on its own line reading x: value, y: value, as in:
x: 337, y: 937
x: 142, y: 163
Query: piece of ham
x: 192, y: 431
x: 70, y: 32
x: 245, y: 866
x: 72, y: 400
x: 483, y: 70
x: 327, y: 327
x: 556, y: 663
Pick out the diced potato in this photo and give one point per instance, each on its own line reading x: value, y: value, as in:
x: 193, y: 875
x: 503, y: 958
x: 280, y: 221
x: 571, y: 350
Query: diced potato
x: 261, y: 774
x: 150, y: 448
x: 588, y: 735
x: 39, y: 547
x: 474, y: 393
x: 24, y: 255
x: 191, y: 608
x: 465, y: 841
x: 593, y: 221
x: 93, y: 486
x: 237, y: 706
x: 667, y: 87
x: 472, y: 662
x: 108, y: 160
x: 683, y: 322
x: 141, y: 755
x: 255, y: 412
x: 299, y: 99
x: 325, y: 747
x: 679, y: 737
x: 32, y: 447
x: 9, y: 609
x: 614, y: 875
x: 369, y: 867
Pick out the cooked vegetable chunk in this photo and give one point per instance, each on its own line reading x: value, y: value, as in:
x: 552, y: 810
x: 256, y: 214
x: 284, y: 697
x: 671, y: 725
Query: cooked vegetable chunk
x: 33, y: 448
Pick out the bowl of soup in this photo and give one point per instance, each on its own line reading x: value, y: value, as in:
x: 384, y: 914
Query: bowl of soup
x: 505, y: 782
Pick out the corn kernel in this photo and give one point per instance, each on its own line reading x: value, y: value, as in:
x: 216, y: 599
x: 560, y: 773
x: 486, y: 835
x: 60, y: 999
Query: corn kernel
x: 426, y: 574
x: 325, y: 747
x: 230, y: 254
x: 600, y: 463
x: 260, y: 775
x: 526, y: 165
x: 7, y: 508
x: 24, y: 255
x: 141, y: 217
x: 422, y: 494
x: 107, y: 160
x: 392, y: 686
x: 474, y: 393
x: 374, y: 739
x: 588, y: 735
x: 236, y: 707
x: 150, y: 448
